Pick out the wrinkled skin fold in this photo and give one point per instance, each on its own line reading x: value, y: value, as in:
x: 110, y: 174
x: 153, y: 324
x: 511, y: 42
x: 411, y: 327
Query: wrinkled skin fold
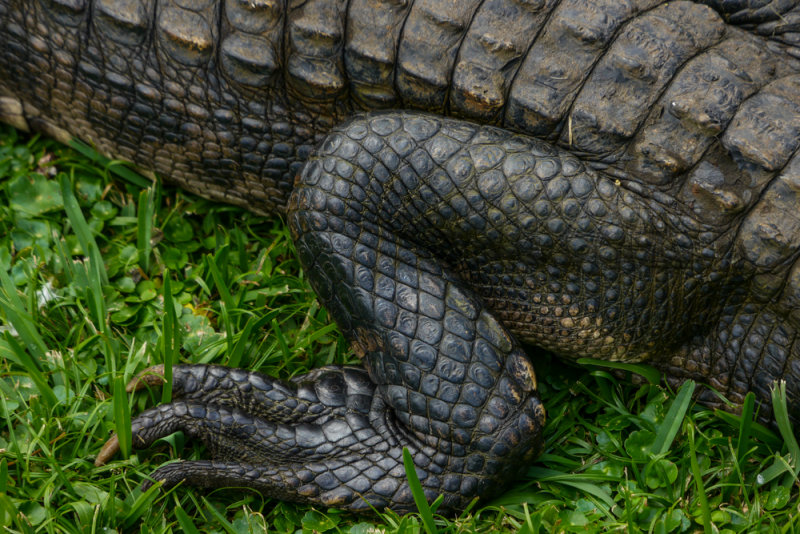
x: 621, y: 183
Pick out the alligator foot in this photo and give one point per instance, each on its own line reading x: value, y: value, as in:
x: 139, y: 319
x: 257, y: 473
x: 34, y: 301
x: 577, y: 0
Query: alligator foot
x: 242, y: 418
x: 324, y: 438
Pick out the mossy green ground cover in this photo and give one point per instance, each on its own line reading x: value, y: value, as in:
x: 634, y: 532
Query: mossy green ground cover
x: 103, y: 274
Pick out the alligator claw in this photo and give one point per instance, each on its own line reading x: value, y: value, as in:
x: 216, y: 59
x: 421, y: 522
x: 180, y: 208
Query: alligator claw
x: 151, y: 377
x: 109, y: 450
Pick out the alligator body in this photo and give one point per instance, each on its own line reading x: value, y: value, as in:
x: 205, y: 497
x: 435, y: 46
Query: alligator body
x: 607, y: 179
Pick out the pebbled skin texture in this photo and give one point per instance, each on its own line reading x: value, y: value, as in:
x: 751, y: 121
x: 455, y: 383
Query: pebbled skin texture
x: 605, y: 179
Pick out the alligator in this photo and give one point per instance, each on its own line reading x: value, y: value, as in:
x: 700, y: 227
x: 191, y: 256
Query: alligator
x: 613, y: 180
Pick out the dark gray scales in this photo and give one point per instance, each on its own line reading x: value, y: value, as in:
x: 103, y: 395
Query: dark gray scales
x: 606, y: 179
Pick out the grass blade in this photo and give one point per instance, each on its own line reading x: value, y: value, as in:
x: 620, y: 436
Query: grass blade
x: 579, y: 481
x: 141, y: 505
x: 757, y: 431
x: 3, y: 475
x: 224, y: 523
x: 528, y: 525
x: 171, y: 338
x: 22, y: 321
x: 253, y: 323
x: 745, y: 426
x: 122, y: 416
x: 96, y: 271
x: 144, y: 228
x: 705, y: 510
x: 669, y: 428
x: 781, y: 465
x: 119, y: 168
x: 185, y: 521
x: 227, y: 305
x: 788, y: 463
x: 782, y: 419
x: 418, y: 493
x: 82, y: 231
x: 281, y: 340
x: 219, y: 281
x: 39, y: 379
x: 651, y: 374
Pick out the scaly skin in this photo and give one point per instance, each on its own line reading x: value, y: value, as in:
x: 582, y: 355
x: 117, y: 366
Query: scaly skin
x: 655, y: 218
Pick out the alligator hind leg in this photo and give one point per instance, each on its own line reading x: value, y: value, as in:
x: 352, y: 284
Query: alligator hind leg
x: 446, y: 381
x: 433, y: 242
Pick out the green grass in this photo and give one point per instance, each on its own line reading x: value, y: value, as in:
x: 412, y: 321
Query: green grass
x: 102, y: 276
